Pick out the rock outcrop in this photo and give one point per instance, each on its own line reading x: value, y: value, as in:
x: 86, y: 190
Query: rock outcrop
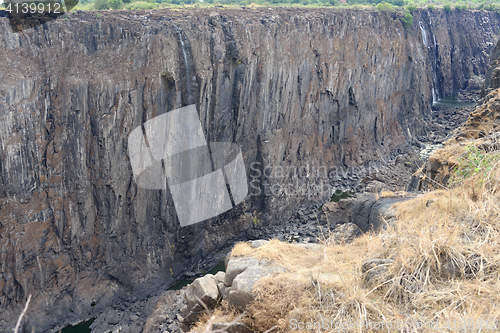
x: 235, y: 286
x: 293, y: 88
x: 492, y: 76
x: 238, y: 290
x: 365, y: 211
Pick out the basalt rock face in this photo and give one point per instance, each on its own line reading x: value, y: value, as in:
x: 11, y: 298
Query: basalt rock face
x: 291, y: 87
x: 492, y: 76
x: 480, y: 130
x: 462, y: 55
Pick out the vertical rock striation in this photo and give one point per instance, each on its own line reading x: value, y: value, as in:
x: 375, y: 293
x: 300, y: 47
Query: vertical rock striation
x: 292, y: 87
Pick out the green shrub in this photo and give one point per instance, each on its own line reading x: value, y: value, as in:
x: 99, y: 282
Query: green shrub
x: 488, y: 6
x: 473, y: 161
x: 399, y: 3
x: 430, y: 6
x: 447, y: 8
x: 407, y: 20
x: 243, y: 3
x: 101, y: 4
x: 329, y: 2
x: 115, y: 4
x: 492, y: 6
x: 411, y: 8
x: 140, y: 5
x: 385, y: 7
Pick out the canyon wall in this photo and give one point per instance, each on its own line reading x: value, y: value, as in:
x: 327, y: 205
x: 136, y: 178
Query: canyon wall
x: 291, y: 87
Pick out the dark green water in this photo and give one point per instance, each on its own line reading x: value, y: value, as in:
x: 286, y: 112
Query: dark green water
x: 340, y: 195
x: 451, y: 101
x: 79, y: 328
x: 182, y: 283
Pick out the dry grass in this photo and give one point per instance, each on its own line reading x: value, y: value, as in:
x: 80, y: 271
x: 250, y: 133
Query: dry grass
x: 220, y: 315
x: 385, y: 194
x: 439, y: 270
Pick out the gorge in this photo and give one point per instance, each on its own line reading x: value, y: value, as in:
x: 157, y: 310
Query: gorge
x: 292, y: 87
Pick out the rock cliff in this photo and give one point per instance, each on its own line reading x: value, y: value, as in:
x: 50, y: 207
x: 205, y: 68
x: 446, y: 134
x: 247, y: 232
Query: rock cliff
x: 292, y: 87
x: 492, y: 79
x: 479, y: 130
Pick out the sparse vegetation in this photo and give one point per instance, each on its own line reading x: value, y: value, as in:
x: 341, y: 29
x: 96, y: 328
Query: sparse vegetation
x: 101, y: 4
x: 407, y: 20
x: 140, y: 5
x: 387, y: 6
x: 115, y: 4
x: 411, y: 8
x: 255, y: 218
x: 474, y: 161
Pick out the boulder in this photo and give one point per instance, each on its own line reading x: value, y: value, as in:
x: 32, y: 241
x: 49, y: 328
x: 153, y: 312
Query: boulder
x: 374, y: 270
x: 236, y: 266
x: 361, y: 211
x: 258, y: 243
x: 241, y: 293
x: 355, y: 209
x: 382, y: 212
x: 344, y: 234
x: 241, y: 275
x: 220, y: 277
x: 204, y: 289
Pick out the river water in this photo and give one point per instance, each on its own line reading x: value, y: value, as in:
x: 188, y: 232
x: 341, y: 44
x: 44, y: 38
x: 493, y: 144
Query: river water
x: 79, y: 328
x: 451, y: 101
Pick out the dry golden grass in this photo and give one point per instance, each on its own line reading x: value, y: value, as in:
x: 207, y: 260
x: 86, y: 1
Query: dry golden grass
x: 386, y: 194
x: 440, y: 274
x: 223, y: 314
